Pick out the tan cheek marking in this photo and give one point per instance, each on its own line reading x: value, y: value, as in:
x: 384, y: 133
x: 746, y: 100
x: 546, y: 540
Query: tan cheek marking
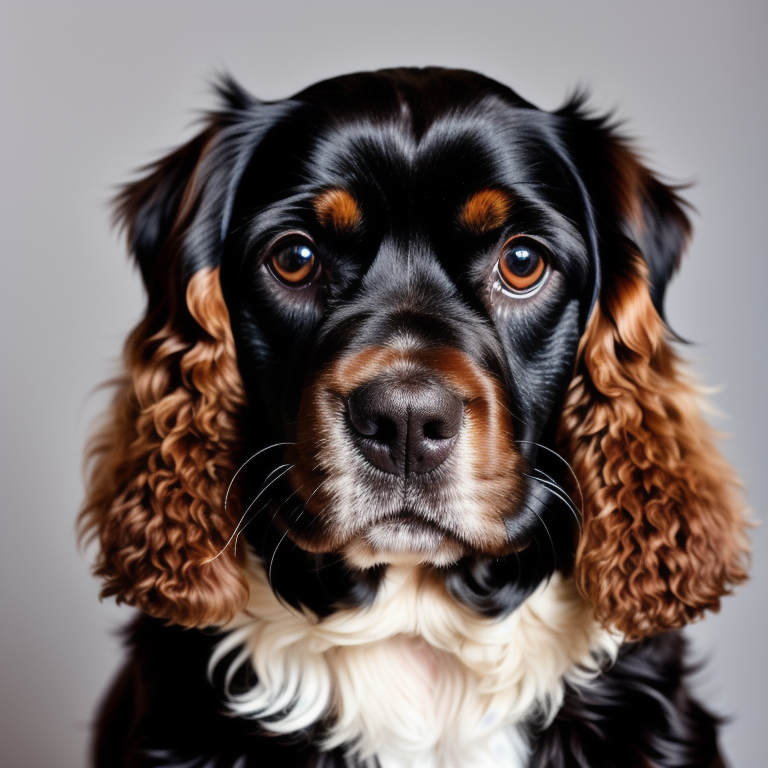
x: 488, y: 424
x: 338, y: 209
x: 313, y: 430
x: 485, y: 210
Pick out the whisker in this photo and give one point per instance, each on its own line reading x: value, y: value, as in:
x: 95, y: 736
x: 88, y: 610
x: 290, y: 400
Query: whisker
x: 560, y: 487
x: 275, y: 475
x: 557, y: 455
x: 517, y: 418
x: 251, y: 519
x: 319, y: 568
x: 555, y: 488
x: 541, y: 520
x: 286, y: 468
x: 288, y: 523
x: 277, y: 510
x: 242, y: 466
x: 316, y: 519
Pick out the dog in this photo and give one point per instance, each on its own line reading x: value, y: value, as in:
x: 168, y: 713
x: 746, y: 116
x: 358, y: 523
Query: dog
x: 404, y: 470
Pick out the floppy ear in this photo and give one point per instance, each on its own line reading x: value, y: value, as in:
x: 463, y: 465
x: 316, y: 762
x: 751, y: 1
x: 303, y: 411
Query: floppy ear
x: 161, y: 464
x: 663, y: 529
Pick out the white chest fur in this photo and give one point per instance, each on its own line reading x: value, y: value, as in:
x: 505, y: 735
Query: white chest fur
x: 415, y: 679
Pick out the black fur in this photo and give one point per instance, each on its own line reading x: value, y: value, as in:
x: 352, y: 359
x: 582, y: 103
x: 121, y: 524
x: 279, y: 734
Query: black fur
x: 638, y: 713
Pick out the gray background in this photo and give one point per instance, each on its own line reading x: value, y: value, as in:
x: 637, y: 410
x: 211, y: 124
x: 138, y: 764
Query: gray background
x: 90, y: 91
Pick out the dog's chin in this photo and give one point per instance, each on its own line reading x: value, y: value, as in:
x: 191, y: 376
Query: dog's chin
x: 403, y: 541
x: 403, y: 538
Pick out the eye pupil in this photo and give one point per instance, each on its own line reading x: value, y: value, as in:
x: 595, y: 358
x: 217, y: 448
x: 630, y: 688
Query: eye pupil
x: 294, y: 258
x: 521, y: 261
x: 294, y: 264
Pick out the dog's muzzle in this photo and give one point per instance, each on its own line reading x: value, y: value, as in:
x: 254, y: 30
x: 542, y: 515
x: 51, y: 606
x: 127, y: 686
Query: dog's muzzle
x: 405, y: 453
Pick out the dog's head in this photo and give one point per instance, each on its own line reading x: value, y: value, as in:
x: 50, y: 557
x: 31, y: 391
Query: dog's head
x: 407, y: 318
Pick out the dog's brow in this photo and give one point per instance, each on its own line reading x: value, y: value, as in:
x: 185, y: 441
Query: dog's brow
x: 338, y: 209
x: 485, y: 210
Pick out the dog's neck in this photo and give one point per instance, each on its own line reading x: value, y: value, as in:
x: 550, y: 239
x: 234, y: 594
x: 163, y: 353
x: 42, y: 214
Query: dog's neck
x: 415, y: 679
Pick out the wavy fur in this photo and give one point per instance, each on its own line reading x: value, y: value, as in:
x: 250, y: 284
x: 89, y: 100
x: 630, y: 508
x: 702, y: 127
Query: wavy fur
x: 415, y: 679
x: 663, y: 535
x: 160, y: 467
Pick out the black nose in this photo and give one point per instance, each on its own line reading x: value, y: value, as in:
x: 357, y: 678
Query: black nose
x: 405, y: 426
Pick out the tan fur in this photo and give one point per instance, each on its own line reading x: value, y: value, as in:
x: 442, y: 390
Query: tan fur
x: 160, y: 466
x: 663, y: 535
x: 338, y: 209
x: 485, y: 210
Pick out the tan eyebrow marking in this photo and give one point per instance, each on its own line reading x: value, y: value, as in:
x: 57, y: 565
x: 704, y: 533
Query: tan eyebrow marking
x: 485, y: 210
x: 337, y: 208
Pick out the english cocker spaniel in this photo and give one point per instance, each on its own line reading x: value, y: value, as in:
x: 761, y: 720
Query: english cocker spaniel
x: 404, y: 470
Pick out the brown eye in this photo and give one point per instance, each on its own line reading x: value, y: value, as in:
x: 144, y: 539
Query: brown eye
x: 522, y: 265
x: 294, y: 264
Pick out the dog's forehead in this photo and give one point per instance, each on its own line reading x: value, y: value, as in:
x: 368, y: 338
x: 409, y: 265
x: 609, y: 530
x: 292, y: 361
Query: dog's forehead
x: 413, y: 147
x: 406, y: 133
x: 405, y: 159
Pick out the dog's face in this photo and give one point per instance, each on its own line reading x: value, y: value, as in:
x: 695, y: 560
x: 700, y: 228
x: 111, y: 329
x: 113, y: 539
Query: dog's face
x: 406, y: 286
x: 416, y: 312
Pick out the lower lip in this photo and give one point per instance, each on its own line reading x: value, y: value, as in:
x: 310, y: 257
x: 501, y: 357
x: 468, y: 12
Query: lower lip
x: 405, y: 535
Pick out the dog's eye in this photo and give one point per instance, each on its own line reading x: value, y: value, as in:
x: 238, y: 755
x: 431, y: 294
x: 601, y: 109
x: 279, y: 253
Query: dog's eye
x: 522, y: 265
x: 294, y: 264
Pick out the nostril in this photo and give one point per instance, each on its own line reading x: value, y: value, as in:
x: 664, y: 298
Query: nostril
x: 437, y: 430
x: 381, y: 430
x: 366, y: 416
x: 441, y: 418
x: 362, y: 424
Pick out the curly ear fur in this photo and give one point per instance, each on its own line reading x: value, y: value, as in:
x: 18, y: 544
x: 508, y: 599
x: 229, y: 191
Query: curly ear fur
x: 161, y: 464
x: 663, y: 530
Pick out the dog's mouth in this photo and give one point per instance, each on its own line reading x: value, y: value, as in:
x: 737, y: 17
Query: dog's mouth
x: 404, y: 539
x: 395, y: 538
